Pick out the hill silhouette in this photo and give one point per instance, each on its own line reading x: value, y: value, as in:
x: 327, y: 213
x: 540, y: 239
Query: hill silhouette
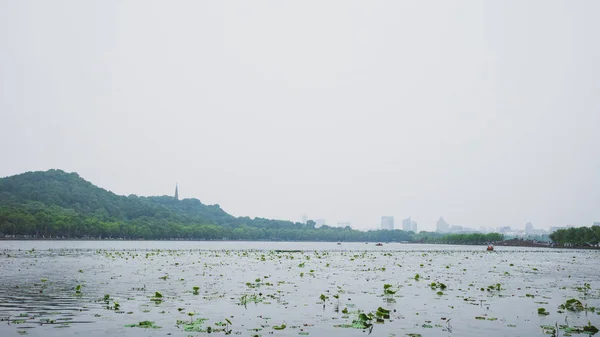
x: 57, y: 204
x: 70, y: 191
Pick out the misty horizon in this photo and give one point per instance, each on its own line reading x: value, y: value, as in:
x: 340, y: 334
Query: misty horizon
x: 485, y: 113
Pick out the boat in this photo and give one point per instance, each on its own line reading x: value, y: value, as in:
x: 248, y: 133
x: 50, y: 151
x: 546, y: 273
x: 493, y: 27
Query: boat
x: 379, y: 244
x: 490, y: 248
x: 339, y: 243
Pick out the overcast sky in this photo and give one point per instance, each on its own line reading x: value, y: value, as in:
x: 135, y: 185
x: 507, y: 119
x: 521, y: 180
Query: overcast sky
x: 484, y: 112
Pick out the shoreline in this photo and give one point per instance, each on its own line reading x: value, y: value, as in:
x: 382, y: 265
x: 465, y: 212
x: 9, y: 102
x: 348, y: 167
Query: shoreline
x: 508, y: 243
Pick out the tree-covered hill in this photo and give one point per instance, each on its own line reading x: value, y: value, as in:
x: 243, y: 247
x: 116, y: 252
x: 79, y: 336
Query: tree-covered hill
x: 56, y: 204
x: 59, y: 204
x: 71, y: 192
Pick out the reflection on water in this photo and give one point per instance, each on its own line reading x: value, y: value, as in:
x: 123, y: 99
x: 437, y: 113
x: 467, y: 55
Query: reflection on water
x: 95, y: 288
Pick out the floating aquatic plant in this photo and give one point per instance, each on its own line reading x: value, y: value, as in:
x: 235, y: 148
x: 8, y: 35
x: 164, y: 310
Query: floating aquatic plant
x: 158, y: 298
x: 382, y: 313
x: 279, y: 327
x: 143, y: 324
x: 572, y: 305
x: 193, y: 326
x: 245, y: 299
x: 388, y: 290
x: 438, y: 285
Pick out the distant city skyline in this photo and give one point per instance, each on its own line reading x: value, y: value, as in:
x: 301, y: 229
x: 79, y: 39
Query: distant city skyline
x: 527, y: 226
x: 408, y: 224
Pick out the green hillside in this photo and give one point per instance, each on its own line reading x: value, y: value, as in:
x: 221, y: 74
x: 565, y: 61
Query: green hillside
x: 56, y: 204
x: 70, y: 191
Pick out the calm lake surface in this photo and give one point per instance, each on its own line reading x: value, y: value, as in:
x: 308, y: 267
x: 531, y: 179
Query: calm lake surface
x: 59, y: 288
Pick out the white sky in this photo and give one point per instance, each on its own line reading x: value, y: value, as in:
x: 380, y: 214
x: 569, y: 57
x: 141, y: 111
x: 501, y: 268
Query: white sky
x: 484, y: 112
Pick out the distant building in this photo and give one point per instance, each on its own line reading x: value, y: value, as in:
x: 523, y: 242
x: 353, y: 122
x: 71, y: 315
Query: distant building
x: 528, y: 228
x: 442, y: 226
x: 387, y: 222
x: 555, y: 228
x: 320, y: 222
x: 343, y: 224
x: 504, y: 229
x: 407, y: 225
x: 176, y: 192
x: 539, y: 232
x: 596, y: 224
x: 456, y: 229
x: 304, y: 218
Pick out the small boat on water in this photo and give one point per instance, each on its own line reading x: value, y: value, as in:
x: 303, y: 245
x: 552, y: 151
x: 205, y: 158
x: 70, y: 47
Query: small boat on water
x: 379, y: 244
x: 339, y: 243
x: 490, y: 248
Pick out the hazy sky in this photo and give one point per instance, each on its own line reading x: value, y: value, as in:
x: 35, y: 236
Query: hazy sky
x: 484, y: 112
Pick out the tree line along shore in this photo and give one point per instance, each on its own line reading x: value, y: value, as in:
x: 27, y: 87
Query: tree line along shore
x: 55, y: 204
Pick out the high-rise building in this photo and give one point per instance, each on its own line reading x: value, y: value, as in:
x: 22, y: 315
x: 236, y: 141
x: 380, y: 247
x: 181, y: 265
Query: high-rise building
x: 176, y: 192
x: 442, y: 226
x: 387, y: 222
x: 304, y: 218
x: 407, y: 225
x: 414, y: 226
x: 320, y: 222
x: 528, y: 228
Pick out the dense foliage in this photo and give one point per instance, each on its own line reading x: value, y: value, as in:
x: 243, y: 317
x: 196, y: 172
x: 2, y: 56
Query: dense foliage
x: 56, y: 204
x: 461, y: 239
x: 577, y: 237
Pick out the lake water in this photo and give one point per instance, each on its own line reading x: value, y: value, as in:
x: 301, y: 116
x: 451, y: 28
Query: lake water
x: 59, y: 288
